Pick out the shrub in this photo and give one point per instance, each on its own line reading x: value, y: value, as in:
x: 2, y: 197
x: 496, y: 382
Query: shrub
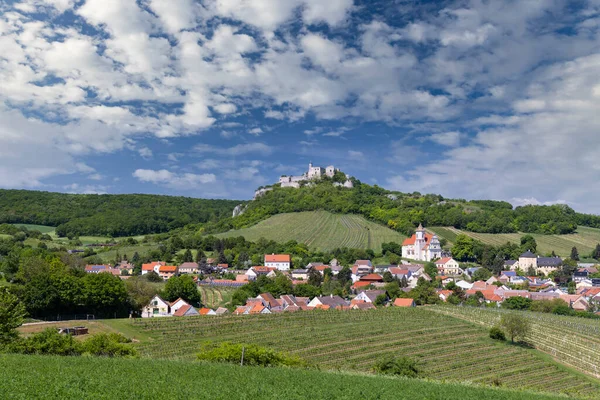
x: 49, y: 342
x: 253, y: 355
x: 108, y: 345
x: 402, y: 366
x: 497, y: 334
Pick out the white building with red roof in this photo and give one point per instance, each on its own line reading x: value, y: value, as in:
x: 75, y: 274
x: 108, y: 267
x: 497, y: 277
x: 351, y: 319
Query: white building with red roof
x: 280, y: 261
x: 448, y: 266
x: 422, y: 246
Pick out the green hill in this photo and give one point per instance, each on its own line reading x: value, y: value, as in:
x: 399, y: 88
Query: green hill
x: 28, y: 377
x: 446, y: 348
x: 320, y: 230
x: 585, y: 239
x: 108, y: 215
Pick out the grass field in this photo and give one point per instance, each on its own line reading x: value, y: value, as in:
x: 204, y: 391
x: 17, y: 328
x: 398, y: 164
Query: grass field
x: 321, y: 230
x: 572, y: 341
x: 446, y: 348
x: 42, y: 228
x: 46, y: 377
x: 585, y: 239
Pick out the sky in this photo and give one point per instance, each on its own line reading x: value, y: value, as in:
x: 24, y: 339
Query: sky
x: 211, y: 99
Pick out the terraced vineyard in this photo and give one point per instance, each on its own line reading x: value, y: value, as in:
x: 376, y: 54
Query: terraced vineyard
x: 572, y: 341
x: 585, y: 239
x: 445, y: 347
x: 214, y: 297
x: 321, y: 230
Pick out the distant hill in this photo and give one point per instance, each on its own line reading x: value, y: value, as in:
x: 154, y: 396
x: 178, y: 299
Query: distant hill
x: 402, y: 212
x: 320, y: 230
x: 109, y: 215
x: 585, y: 239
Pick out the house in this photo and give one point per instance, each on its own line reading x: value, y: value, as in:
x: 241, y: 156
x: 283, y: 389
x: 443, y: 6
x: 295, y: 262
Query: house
x: 361, y: 285
x: 207, y: 311
x: 481, y: 286
x: 369, y: 296
x: 222, y: 267
x: 399, y: 272
x: 331, y: 301
x: 157, y: 307
x: 445, y: 279
x: 254, y: 272
x: 361, y: 268
x: 444, y: 294
x: 288, y: 300
x: 492, y: 280
x: 269, y: 301
x: 125, y: 267
x: 96, y: 269
x: 448, y: 266
x: 464, y: 285
x: 281, y: 262
x: 544, y: 265
x: 422, y: 246
x: 188, y: 268
x: 152, y: 266
x: 505, y: 277
x: 586, y: 283
x: 399, y: 302
x: 259, y: 308
x: 221, y: 311
x: 167, y: 271
x: 301, y: 274
x: 186, y: 311
x: 177, y: 304
x: 510, y: 264
x: 580, y: 275
x: 362, y: 305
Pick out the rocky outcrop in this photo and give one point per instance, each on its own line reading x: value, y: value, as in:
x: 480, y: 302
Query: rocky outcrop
x: 239, y: 210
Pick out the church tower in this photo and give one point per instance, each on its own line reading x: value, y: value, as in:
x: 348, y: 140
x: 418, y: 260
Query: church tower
x: 420, y: 241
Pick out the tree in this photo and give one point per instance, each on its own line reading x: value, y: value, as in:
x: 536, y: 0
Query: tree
x: 344, y: 276
x: 315, y: 278
x: 139, y: 292
x: 182, y: 287
x: 574, y: 254
x: 482, y: 274
x: 187, y: 256
x: 381, y: 299
x: 388, y: 277
x: 431, y: 269
x: 464, y: 248
x: 153, y: 277
x: 402, y: 366
x: 12, y: 314
x: 200, y: 256
x: 517, y: 303
x: 596, y: 253
x: 104, y: 294
x: 393, y: 258
x: 516, y: 326
x: 528, y: 243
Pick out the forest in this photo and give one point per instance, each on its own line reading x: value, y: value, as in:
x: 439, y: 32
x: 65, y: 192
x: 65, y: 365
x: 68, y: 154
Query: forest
x: 109, y: 215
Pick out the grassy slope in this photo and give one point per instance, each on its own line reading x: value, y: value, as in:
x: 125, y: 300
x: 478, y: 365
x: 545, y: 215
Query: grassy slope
x: 585, y: 239
x: 321, y: 230
x: 102, y: 378
x: 445, y: 347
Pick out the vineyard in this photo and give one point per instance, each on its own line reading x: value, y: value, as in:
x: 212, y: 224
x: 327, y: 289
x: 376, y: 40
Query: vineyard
x: 213, y: 297
x: 572, y: 341
x: 585, y: 239
x: 36, y: 377
x: 446, y: 348
x: 321, y: 230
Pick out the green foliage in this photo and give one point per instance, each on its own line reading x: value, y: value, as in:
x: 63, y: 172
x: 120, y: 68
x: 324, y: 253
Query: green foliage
x: 431, y: 269
x: 402, y: 366
x: 182, y: 287
x: 253, y: 355
x: 139, y: 292
x: 109, y: 215
x: 574, y: 254
x: 497, y: 333
x: 153, y: 277
x: 381, y: 300
x: 516, y: 326
x: 12, y: 314
x: 108, y: 345
x: 528, y: 243
x: 517, y: 303
x: 464, y: 248
x: 482, y: 274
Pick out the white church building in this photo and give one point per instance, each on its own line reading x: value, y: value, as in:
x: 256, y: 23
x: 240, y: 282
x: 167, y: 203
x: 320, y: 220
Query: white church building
x: 422, y: 246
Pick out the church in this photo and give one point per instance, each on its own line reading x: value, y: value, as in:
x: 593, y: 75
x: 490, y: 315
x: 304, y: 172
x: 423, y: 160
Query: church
x: 422, y: 246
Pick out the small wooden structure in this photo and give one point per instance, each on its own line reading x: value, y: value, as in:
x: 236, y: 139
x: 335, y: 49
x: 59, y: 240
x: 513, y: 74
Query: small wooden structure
x: 74, y: 331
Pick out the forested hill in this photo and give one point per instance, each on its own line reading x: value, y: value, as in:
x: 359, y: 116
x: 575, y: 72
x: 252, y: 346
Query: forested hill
x: 109, y: 215
x: 403, y: 212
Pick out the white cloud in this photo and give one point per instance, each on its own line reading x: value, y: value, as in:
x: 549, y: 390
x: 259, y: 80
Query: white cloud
x: 356, y: 154
x: 186, y: 181
x: 255, y: 131
x: 225, y: 108
x: 332, y: 12
x: 176, y: 15
x: 145, y: 152
x: 450, y: 139
x: 236, y: 150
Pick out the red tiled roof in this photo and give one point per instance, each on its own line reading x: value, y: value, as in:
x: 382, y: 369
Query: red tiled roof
x: 182, y: 310
x: 277, y: 258
x: 399, y: 302
x: 168, y: 268
x: 372, y: 277
x: 411, y: 240
x: 361, y: 284
x: 150, y: 266
x: 443, y: 260
x: 205, y: 311
x: 257, y: 308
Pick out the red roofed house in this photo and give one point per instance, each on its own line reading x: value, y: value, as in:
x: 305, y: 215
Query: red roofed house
x: 207, y: 311
x: 152, y: 266
x: 157, y: 307
x: 422, y: 246
x: 186, y: 311
x: 167, y: 271
x: 361, y: 285
x: 280, y: 261
x: 254, y: 272
x: 371, y: 278
x: 404, y: 302
x: 448, y: 266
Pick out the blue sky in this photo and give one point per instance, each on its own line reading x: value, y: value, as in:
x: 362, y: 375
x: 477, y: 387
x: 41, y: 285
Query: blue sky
x: 469, y: 99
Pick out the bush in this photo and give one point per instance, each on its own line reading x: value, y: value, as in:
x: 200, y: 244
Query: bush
x: 108, y: 345
x: 497, y: 334
x: 47, y: 342
x: 253, y: 355
x: 402, y: 366
x: 153, y: 277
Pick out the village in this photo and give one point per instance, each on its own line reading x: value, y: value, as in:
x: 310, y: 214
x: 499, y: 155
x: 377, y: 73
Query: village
x: 369, y: 282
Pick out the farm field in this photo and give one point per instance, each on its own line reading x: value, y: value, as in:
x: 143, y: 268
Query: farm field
x: 213, y: 297
x: 585, y: 239
x: 572, y: 341
x: 321, y: 230
x: 446, y: 348
x: 106, y: 378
